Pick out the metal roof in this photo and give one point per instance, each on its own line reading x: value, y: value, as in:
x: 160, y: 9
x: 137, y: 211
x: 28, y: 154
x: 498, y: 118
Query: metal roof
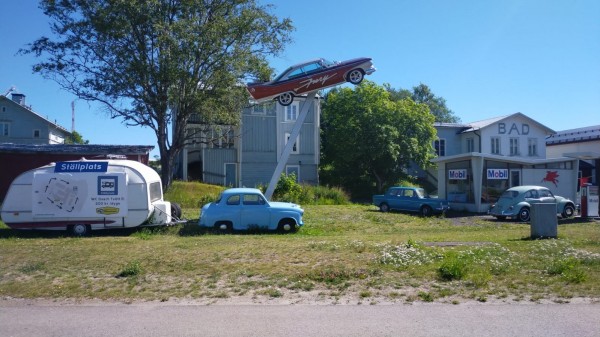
x: 586, y: 134
x: 84, y: 149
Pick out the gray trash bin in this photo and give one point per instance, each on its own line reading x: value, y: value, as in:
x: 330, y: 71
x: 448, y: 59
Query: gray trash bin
x: 544, y: 223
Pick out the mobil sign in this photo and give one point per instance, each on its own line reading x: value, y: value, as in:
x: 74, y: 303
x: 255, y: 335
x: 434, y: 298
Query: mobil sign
x: 457, y: 174
x: 497, y: 173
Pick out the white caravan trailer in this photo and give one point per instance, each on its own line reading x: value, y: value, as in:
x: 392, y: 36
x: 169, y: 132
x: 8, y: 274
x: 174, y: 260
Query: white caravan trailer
x: 85, y: 195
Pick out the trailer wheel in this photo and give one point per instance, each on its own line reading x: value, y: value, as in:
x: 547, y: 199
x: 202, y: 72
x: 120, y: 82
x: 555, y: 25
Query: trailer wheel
x: 80, y: 230
x: 175, y: 211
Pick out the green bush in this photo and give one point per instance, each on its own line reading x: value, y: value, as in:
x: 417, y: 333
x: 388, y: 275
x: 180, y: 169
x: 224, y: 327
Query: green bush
x: 452, y: 268
x: 288, y: 189
x: 133, y: 268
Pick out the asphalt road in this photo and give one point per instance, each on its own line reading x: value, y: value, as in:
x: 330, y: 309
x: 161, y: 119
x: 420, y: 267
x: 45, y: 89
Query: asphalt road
x: 160, y: 319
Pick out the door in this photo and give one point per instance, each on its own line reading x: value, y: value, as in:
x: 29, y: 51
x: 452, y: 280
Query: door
x: 230, y: 174
x: 515, y: 178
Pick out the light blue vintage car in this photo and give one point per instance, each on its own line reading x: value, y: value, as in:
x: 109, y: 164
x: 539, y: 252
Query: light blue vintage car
x: 516, y: 203
x: 247, y: 208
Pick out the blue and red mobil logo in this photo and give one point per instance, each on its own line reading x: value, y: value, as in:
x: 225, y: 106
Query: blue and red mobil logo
x: 497, y: 173
x: 457, y: 174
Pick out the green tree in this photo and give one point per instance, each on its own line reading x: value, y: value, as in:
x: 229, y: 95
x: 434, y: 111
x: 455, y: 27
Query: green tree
x: 367, y: 137
x: 423, y: 94
x: 76, y: 138
x: 159, y: 63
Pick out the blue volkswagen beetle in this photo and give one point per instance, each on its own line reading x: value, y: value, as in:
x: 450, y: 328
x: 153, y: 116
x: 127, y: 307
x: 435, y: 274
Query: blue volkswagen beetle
x: 247, y: 208
x: 516, y: 203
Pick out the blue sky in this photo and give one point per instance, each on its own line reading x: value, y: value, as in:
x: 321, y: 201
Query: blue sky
x: 486, y: 58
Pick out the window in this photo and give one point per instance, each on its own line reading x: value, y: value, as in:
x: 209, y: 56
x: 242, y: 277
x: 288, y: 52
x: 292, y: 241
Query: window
x: 440, y: 147
x: 259, y: 109
x: 293, y: 170
x: 4, y: 129
x: 233, y: 200
x: 514, y: 146
x: 291, y: 112
x: 532, y: 147
x: 36, y: 133
x: 295, y: 149
x: 155, y: 191
x: 495, y: 145
x: 253, y: 199
x: 470, y: 145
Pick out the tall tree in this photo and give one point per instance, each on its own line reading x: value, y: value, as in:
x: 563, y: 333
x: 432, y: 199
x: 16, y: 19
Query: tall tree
x: 423, y: 94
x: 367, y: 137
x: 158, y: 63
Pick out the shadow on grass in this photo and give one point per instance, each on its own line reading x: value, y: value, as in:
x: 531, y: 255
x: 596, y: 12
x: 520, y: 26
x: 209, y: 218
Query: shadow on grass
x: 189, y: 228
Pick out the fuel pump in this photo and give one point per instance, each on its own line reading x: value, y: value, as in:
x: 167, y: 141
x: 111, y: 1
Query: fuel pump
x: 589, y: 201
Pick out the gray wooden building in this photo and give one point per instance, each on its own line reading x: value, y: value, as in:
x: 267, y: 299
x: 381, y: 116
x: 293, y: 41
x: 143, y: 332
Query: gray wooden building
x: 246, y: 155
x: 19, y: 124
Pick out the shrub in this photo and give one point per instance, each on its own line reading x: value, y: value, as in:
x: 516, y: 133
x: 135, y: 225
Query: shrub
x: 452, y: 268
x: 133, y: 268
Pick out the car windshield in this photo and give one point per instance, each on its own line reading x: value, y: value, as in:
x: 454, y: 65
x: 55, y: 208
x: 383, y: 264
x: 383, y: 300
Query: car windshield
x: 509, y: 194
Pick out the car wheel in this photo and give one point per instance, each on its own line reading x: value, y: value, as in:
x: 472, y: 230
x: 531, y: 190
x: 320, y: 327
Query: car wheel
x: 500, y: 217
x: 285, y: 99
x: 355, y: 76
x: 287, y: 226
x: 426, y: 210
x: 175, y: 211
x: 223, y: 226
x: 568, y: 211
x: 524, y: 214
x: 384, y: 207
x: 79, y: 230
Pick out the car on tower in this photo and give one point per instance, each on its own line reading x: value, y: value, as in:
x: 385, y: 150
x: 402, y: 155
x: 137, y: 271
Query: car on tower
x: 310, y: 76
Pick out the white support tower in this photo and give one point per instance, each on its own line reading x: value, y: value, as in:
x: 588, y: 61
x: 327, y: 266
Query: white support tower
x: 285, y: 155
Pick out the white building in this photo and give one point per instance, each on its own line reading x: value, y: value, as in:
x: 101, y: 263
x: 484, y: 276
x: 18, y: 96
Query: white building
x: 477, y: 161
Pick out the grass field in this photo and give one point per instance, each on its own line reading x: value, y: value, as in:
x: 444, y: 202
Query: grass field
x: 343, y: 254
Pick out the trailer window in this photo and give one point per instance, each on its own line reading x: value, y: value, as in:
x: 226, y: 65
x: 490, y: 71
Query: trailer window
x: 155, y: 191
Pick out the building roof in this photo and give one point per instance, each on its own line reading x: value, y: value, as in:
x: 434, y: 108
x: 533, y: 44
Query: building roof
x: 487, y: 122
x: 28, y: 108
x: 83, y: 149
x: 579, y: 135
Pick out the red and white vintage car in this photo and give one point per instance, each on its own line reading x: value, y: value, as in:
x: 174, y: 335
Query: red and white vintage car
x: 310, y: 76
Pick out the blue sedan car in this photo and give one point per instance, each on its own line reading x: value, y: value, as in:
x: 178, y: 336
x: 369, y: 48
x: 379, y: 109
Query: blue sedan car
x: 411, y: 199
x: 247, y: 208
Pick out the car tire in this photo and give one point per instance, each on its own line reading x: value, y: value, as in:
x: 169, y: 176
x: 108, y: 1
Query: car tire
x: 568, y: 211
x: 285, y: 99
x: 355, y: 76
x: 524, y: 214
x: 426, y: 211
x: 384, y: 207
x: 223, y: 227
x: 79, y: 230
x: 287, y: 226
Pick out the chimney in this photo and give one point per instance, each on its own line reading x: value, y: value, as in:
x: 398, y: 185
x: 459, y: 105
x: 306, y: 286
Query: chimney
x: 19, y: 98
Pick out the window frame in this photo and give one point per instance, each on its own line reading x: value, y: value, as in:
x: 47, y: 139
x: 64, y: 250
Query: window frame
x: 495, y: 147
x: 513, y: 145
x: 290, y: 112
x: 439, y: 145
x: 296, y: 147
